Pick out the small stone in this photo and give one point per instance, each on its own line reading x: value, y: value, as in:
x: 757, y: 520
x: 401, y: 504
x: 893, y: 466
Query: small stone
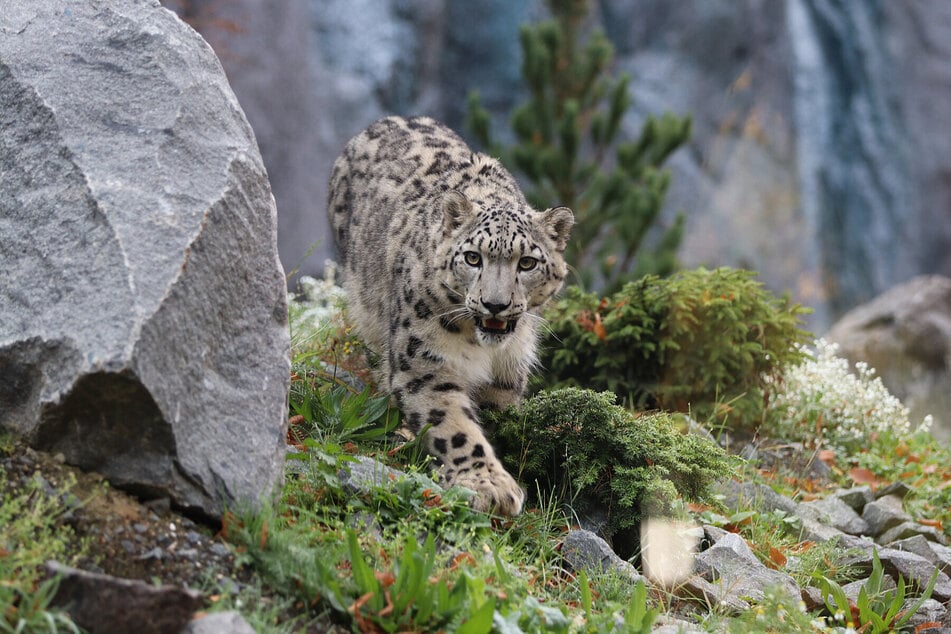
x: 670, y: 625
x: 230, y: 622
x: 910, y: 529
x: 731, y: 565
x: 916, y: 571
x: 155, y: 553
x: 931, y: 611
x: 760, y: 496
x: 220, y: 549
x: 884, y: 513
x: 852, y: 589
x: 856, y: 497
x: 833, y: 512
x: 59, y: 458
x: 193, y: 537
x: 916, y: 544
x: 101, y: 603
x: 815, y: 531
x: 899, y: 489
x: 140, y: 528
x: 697, y: 587
x: 583, y: 550
x: 712, y: 535
x: 159, y: 505
x: 127, y: 546
x: 813, y: 598
x: 942, y: 557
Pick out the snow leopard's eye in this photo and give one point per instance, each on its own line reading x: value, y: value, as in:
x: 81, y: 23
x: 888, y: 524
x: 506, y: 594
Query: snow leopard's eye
x: 527, y: 264
x: 472, y: 258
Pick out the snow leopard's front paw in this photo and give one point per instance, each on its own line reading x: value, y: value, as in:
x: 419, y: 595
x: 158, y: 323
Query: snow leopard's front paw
x: 496, y: 490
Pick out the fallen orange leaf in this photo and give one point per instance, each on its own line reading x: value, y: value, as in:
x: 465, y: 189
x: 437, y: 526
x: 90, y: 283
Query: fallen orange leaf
x: 462, y: 558
x: 777, y: 557
x: 861, y: 475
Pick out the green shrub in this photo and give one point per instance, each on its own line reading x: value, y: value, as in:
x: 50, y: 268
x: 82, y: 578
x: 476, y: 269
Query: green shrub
x: 596, y: 455
x: 702, y: 341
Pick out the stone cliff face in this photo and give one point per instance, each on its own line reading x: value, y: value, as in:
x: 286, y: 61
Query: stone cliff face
x: 818, y: 157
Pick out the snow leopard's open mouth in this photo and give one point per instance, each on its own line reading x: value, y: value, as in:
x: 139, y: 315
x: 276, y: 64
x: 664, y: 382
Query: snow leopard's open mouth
x: 495, y: 326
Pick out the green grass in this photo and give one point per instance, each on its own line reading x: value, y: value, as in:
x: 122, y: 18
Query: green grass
x: 359, y: 559
x: 32, y: 532
x: 410, y: 556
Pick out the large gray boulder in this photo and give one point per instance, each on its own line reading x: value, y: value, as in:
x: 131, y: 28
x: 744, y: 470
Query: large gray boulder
x: 143, y: 321
x: 905, y: 334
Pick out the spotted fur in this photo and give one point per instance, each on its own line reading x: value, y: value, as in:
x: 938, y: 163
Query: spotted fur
x: 446, y: 268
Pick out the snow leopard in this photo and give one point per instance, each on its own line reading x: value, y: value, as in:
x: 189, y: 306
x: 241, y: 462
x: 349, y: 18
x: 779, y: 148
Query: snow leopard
x: 446, y: 269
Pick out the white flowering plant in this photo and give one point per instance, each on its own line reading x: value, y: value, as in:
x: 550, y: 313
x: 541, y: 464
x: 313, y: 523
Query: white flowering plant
x: 319, y: 329
x: 820, y: 402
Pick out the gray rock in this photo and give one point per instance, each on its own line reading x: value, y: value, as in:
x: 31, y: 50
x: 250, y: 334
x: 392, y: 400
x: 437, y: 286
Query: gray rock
x: 910, y: 529
x: 884, y: 513
x: 698, y: 588
x: 916, y: 571
x: 852, y: 589
x: 671, y: 625
x: 899, y: 489
x: 942, y: 556
x: 104, y: 604
x: 916, y: 544
x: 931, y: 611
x: 905, y: 334
x: 732, y: 566
x: 711, y: 534
x: 816, y: 531
x: 583, y: 550
x: 759, y: 496
x: 833, y: 512
x: 856, y: 497
x: 365, y: 473
x: 143, y: 324
x: 219, y: 623
x: 813, y: 598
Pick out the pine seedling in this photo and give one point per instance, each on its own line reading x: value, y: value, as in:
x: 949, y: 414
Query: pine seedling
x: 567, y: 149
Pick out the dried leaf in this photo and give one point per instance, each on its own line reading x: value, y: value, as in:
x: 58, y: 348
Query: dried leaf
x: 777, y: 557
x: 599, y: 330
x: 385, y: 578
x: 861, y: 475
x: 462, y: 558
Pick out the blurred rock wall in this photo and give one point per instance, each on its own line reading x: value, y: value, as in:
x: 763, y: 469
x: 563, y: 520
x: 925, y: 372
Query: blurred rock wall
x: 819, y: 156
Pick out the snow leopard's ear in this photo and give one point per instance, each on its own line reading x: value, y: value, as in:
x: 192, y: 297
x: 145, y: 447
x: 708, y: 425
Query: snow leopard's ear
x: 455, y: 209
x: 558, y: 222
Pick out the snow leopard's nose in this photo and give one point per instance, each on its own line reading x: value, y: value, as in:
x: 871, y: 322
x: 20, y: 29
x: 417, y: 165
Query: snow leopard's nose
x: 495, y: 308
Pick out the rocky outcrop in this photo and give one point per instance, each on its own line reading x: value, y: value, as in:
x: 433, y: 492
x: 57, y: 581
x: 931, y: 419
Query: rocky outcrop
x: 143, y: 323
x: 102, y: 604
x: 814, y: 158
x: 905, y: 334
